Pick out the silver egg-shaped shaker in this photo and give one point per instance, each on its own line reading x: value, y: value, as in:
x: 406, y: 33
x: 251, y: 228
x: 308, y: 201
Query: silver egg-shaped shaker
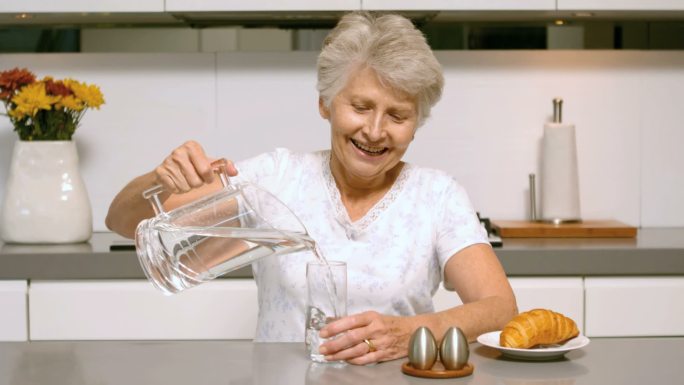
x: 422, y: 352
x: 454, y: 351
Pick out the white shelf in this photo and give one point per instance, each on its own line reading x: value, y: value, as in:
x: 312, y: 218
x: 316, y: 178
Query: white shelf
x: 460, y: 5
x: 621, y: 5
x: 260, y: 5
x: 74, y: 6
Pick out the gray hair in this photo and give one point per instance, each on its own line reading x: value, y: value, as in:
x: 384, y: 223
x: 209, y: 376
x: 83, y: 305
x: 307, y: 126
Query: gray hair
x: 390, y: 45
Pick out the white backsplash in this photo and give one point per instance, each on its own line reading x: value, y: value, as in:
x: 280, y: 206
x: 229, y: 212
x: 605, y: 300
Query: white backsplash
x: 626, y: 105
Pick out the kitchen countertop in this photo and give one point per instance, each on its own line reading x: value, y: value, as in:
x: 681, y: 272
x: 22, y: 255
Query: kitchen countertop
x: 606, y: 361
x: 655, y: 251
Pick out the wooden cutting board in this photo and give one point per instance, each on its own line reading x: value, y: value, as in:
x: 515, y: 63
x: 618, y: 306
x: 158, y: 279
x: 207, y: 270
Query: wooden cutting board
x: 584, y: 229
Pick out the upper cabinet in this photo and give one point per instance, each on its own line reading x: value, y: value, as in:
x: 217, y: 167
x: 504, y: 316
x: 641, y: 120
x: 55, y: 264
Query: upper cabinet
x: 51, y: 6
x: 620, y: 5
x: 260, y: 5
x: 460, y: 5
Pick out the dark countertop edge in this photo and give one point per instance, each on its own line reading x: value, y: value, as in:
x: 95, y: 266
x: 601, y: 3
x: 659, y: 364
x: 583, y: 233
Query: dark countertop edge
x: 593, y: 262
x: 655, y: 252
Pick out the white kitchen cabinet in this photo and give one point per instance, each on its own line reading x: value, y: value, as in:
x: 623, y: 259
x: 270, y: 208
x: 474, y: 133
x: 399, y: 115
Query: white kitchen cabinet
x: 261, y: 5
x: 620, y: 5
x: 134, y: 310
x: 13, y: 324
x: 227, y: 309
x: 460, y: 5
x: 564, y: 295
x: 69, y: 6
x: 634, y: 306
x: 561, y: 294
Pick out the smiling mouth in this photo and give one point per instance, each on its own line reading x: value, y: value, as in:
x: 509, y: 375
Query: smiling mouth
x: 370, y: 150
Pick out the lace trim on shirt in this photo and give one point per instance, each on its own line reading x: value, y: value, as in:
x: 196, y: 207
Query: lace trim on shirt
x: 353, y: 229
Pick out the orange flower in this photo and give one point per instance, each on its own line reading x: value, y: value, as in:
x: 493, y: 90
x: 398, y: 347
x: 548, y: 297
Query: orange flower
x: 12, y: 80
x: 56, y: 88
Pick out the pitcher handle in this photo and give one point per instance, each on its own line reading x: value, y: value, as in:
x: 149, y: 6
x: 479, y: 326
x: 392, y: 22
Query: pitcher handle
x: 152, y: 194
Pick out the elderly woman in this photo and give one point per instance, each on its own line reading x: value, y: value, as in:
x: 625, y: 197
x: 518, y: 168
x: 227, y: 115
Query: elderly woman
x: 400, y: 228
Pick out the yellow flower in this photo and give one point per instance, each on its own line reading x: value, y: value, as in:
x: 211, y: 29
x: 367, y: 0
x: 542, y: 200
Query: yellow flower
x: 70, y: 103
x: 30, y: 99
x: 89, y: 94
x: 48, y: 109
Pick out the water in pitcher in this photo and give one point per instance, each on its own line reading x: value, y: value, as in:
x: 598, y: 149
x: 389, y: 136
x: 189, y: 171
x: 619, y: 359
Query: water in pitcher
x: 191, y: 255
x: 257, y: 243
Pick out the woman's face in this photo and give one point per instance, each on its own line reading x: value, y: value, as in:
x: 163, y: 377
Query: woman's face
x: 371, y: 124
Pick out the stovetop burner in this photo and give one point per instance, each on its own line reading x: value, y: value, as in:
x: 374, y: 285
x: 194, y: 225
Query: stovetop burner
x: 493, y: 238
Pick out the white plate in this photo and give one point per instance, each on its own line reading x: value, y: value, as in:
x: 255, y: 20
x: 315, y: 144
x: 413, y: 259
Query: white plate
x: 537, y: 354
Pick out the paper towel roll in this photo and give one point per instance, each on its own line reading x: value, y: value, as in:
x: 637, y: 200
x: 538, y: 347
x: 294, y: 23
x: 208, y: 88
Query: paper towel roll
x: 559, y: 177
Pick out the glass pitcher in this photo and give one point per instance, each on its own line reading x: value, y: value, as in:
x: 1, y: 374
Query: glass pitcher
x: 218, y: 233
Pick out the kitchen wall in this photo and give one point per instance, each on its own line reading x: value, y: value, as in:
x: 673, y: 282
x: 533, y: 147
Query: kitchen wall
x: 486, y: 131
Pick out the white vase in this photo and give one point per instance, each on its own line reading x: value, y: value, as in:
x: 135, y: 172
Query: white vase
x: 45, y: 199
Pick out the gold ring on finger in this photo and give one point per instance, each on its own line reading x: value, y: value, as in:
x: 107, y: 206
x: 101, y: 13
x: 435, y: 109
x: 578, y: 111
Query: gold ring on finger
x: 371, y: 347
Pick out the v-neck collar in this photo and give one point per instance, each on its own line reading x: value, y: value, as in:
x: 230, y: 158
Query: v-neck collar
x: 355, y: 228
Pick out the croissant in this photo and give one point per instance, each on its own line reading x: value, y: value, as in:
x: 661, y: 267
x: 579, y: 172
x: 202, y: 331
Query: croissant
x: 537, y: 327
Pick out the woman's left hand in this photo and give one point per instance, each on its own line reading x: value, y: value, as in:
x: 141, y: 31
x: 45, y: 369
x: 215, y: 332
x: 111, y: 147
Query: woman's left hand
x: 365, y: 338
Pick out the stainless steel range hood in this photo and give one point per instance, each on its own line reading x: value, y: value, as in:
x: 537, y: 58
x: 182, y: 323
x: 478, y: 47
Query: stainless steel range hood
x: 283, y: 19
x: 87, y: 19
x: 300, y: 19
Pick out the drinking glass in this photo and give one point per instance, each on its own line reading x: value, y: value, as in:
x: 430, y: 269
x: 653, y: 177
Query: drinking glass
x: 327, y: 301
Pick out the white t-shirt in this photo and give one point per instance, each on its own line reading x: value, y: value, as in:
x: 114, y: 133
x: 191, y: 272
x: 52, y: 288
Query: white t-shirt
x: 395, y: 254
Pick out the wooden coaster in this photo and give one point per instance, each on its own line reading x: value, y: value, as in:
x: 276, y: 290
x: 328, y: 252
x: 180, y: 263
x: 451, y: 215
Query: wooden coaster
x: 437, y: 371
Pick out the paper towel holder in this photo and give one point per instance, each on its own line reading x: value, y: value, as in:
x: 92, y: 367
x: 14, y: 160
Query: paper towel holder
x: 533, y: 206
x: 533, y: 198
x: 557, y: 110
x: 555, y: 218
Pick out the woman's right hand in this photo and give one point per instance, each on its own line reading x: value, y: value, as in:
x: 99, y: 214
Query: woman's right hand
x: 187, y: 168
